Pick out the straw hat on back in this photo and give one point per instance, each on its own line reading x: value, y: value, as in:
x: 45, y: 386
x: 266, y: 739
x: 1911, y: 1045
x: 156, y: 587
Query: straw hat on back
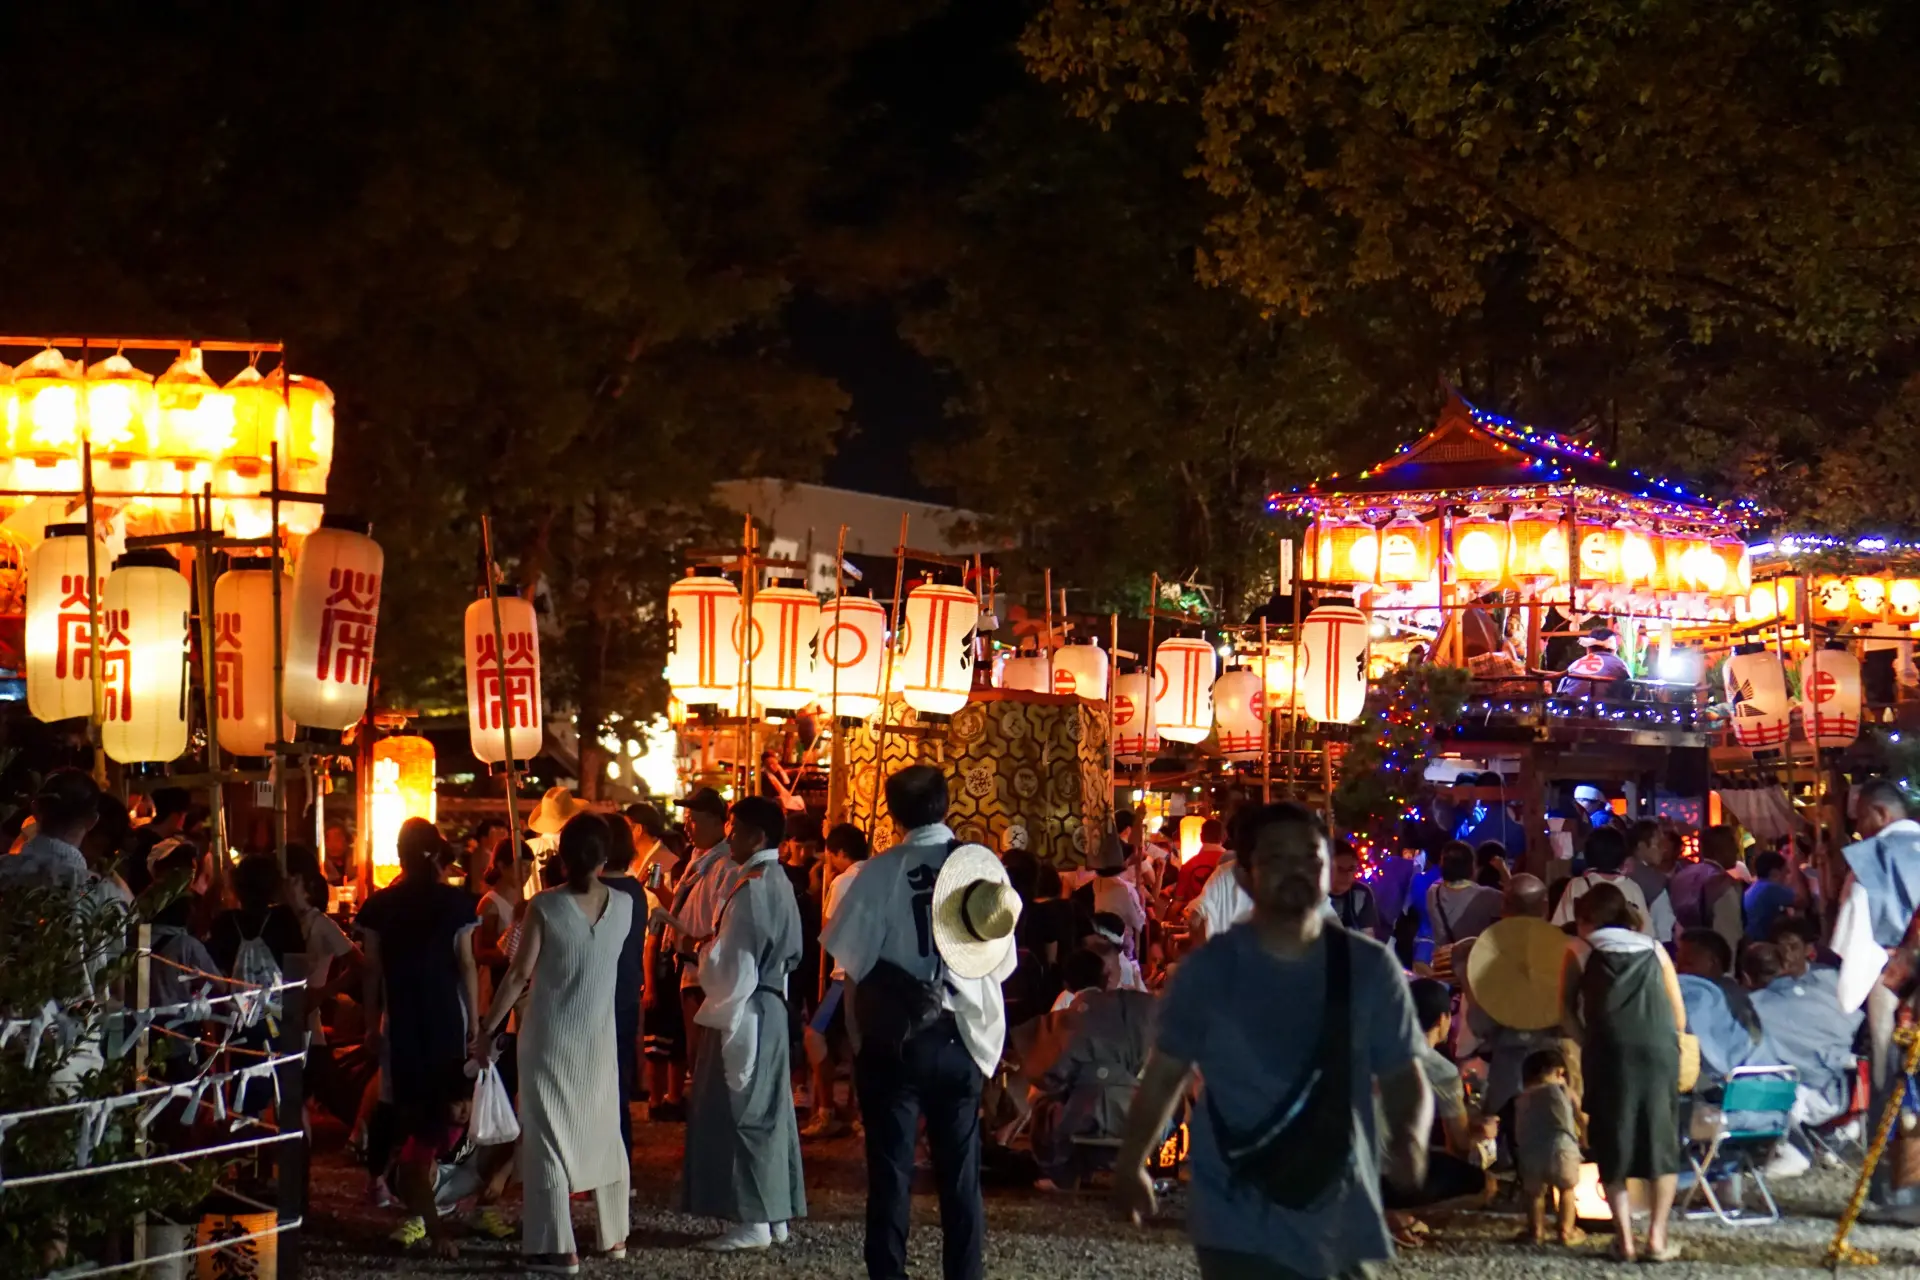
x: 1513, y: 972
x: 975, y: 910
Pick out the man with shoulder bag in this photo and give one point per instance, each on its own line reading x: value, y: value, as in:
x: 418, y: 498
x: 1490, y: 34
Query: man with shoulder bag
x: 925, y: 935
x: 1285, y: 1183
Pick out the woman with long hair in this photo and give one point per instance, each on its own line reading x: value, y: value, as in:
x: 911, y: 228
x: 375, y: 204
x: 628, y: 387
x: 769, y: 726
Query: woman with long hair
x: 569, y: 950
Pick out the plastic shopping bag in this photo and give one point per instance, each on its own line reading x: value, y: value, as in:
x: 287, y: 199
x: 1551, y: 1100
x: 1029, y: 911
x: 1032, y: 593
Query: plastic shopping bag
x: 493, y: 1122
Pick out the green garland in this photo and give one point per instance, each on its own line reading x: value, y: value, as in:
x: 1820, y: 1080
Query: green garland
x: 1381, y: 773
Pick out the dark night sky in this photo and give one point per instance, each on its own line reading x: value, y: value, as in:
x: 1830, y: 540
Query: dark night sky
x: 924, y: 91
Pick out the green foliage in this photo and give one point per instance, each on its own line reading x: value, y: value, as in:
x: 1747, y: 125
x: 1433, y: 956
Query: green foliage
x: 1380, y: 775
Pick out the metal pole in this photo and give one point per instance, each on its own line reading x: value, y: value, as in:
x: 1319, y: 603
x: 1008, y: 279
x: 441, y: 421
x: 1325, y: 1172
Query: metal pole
x: 1293, y: 687
x: 506, y: 718
x: 886, y: 698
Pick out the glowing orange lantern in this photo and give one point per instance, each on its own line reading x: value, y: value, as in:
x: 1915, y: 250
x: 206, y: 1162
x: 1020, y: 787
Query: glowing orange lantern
x: 403, y: 788
x: 524, y: 715
x: 1733, y: 576
x: 1600, y: 554
x: 703, y: 642
x: 1831, y: 598
x: 1081, y: 670
x: 1778, y: 598
x: 785, y: 621
x: 122, y: 415
x: 1869, y: 599
x: 1538, y: 555
x: 1405, y: 553
x: 59, y: 631
x: 306, y: 446
x: 336, y: 611
x: 9, y: 410
x: 259, y: 417
x: 1183, y: 670
x: 1279, y: 673
x: 1349, y: 552
x: 852, y: 656
x: 1639, y: 565
x: 196, y: 420
x: 1480, y: 553
x: 243, y: 656
x: 1830, y: 687
x: 1239, y: 708
x: 45, y: 440
x: 143, y: 659
x: 1903, y: 599
x: 1131, y: 739
x: 934, y: 657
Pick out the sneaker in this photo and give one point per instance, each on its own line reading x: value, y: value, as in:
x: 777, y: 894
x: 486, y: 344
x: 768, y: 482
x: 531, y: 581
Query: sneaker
x: 409, y: 1233
x: 745, y: 1237
x: 490, y: 1224
x: 780, y: 1233
x: 378, y: 1196
x: 1787, y: 1161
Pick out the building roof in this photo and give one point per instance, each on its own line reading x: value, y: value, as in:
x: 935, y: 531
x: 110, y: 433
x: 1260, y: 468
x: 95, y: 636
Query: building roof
x: 813, y: 513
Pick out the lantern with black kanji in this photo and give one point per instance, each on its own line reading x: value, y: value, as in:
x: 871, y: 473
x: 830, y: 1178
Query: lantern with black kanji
x: 336, y: 610
x: 1332, y: 675
x: 243, y: 656
x: 1600, y: 555
x: 933, y: 658
x: 143, y: 659
x: 1239, y: 711
x: 852, y: 661
x: 1757, y: 694
x: 1831, y: 697
x: 496, y: 707
x: 1183, y: 672
x: 1869, y: 599
x: 703, y: 642
x: 785, y: 621
x: 59, y: 631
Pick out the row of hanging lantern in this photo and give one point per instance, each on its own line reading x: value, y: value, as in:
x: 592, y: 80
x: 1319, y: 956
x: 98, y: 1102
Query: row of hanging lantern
x: 1529, y: 551
x: 1831, y: 697
x: 174, y: 434
x: 141, y: 606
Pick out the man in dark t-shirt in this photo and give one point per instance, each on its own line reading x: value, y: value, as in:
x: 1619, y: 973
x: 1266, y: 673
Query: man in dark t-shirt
x: 628, y: 977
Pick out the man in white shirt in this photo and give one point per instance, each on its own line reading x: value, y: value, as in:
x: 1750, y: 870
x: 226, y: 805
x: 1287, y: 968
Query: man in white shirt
x: 886, y: 919
x: 1606, y: 864
x: 1221, y: 905
x: 698, y: 898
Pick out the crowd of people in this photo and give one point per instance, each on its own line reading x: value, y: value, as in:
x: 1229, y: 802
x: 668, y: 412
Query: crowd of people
x: 740, y: 970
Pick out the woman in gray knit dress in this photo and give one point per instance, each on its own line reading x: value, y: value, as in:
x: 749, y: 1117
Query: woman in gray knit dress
x: 1624, y: 1000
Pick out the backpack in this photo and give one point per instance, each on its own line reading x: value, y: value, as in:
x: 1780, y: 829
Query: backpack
x: 254, y: 964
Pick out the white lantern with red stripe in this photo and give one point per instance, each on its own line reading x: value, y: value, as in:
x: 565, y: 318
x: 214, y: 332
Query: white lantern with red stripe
x: 1332, y: 676
x: 336, y: 611
x: 1831, y: 697
x: 851, y: 656
x: 1757, y: 692
x: 785, y: 621
x: 1081, y: 670
x: 933, y: 664
x: 143, y: 659
x: 1131, y: 739
x: 1026, y: 673
x: 1239, y: 710
x: 59, y: 635
x: 703, y: 642
x: 243, y: 656
x: 1183, y: 670
x: 517, y: 701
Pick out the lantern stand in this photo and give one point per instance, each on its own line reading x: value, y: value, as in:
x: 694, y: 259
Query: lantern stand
x: 837, y: 761
x: 506, y: 720
x: 1266, y: 723
x: 1153, y: 669
x: 1780, y: 656
x: 1113, y: 679
x: 1293, y: 685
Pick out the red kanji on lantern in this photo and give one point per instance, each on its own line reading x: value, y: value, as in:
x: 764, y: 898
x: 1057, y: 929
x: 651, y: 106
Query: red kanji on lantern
x: 519, y: 632
x: 336, y: 606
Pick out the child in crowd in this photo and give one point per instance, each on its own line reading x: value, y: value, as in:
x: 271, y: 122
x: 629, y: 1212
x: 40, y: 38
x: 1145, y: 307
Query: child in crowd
x: 433, y: 1174
x: 827, y: 1046
x: 1109, y: 941
x: 1546, y: 1147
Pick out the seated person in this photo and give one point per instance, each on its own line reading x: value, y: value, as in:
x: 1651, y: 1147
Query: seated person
x: 1454, y: 1177
x: 1798, y: 940
x: 1803, y: 1017
x: 1109, y: 941
x: 433, y: 1176
x: 1086, y: 1091
x: 1599, y: 673
x: 1719, y: 1013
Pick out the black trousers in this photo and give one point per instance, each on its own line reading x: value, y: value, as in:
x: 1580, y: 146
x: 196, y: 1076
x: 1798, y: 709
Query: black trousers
x: 626, y: 1047
x: 934, y: 1078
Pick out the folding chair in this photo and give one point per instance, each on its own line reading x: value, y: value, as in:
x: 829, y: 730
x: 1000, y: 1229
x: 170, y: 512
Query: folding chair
x: 1825, y: 1140
x: 1755, y: 1113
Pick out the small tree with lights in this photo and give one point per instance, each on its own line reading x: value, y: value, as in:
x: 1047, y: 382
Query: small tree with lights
x: 1380, y: 774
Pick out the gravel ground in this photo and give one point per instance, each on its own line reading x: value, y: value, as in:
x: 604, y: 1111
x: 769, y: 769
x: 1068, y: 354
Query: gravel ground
x: 1052, y: 1237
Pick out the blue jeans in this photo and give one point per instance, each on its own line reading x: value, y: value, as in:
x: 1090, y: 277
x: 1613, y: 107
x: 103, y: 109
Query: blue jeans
x: 934, y: 1078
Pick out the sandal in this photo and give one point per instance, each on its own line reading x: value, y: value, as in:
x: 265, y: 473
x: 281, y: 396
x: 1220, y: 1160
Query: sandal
x: 1668, y: 1252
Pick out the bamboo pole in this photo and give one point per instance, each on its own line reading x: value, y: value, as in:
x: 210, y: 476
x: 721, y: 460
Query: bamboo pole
x: 837, y: 760
x: 886, y: 698
x: 1153, y: 670
x: 209, y: 665
x: 277, y: 567
x: 748, y: 759
x: 1293, y: 686
x: 1113, y: 676
x: 1266, y: 723
x: 1780, y: 656
x: 1046, y: 640
x: 509, y: 774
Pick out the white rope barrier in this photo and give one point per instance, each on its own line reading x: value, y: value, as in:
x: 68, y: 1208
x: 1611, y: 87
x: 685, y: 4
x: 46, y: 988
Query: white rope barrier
x: 226, y: 1242
x: 177, y: 1157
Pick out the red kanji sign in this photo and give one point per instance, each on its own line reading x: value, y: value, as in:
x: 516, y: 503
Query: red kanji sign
x: 346, y: 627
x: 523, y: 680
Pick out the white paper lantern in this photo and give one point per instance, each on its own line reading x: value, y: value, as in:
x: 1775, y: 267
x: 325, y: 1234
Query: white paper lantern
x: 1026, y: 674
x: 852, y: 656
x: 934, y: 653
x: 1831, y: 697
x: 243, y: 656
x: 703, y: 642
x: 1757, y: 691
x: 1332, y: 676
x: 1081, y: 670
x: 59, y: 633
x: 336, y: 611
x: 1183, y: 689
x: 785, y: 622
x: 1131, y: 739
x: 524, y: 713
x: 1239, y: 710
x: 143, y: 659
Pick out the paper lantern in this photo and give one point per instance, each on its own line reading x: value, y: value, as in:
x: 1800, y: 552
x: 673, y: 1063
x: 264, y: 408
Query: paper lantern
x: 1480, y: 548
x: 1537, y: 555
x: 1769, y: 600
x: 336, y: 610
x: 122, y: 416
x: 45, y: 437
x: 1830, y: 598
x: 259, y: 420
x: 1239, y: 714
x: 1081, y: 670
x: 1279, y: 673
x: 1026, y: 673
x: 934, y: 654
x: 143, y: 659
x: 196, y: 419
x: 1600, y: 554
x: 1131, y: 737
x: 1190, y: 842
x: 852, y: 663
x: 1639, y: 565
x: 785, y: 622
x: 1405, y: 553
x: 9, y: 413
x: 1332, y: 676
x: 520, y: 703
x: 1869, y: 603
x: 402, y: 788
x: 1757, y: 692
x: 1726, y: 569
x: 1348, y: 552
x: 59, y: 629
x: 1903, y: 600
x: 243, y: 657
x: 703, y: 642
x: 1183, y: 670
x: 1831, y: 697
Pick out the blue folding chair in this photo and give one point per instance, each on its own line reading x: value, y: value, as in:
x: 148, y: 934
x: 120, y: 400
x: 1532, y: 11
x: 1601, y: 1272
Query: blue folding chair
x: 1755, y: 1114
